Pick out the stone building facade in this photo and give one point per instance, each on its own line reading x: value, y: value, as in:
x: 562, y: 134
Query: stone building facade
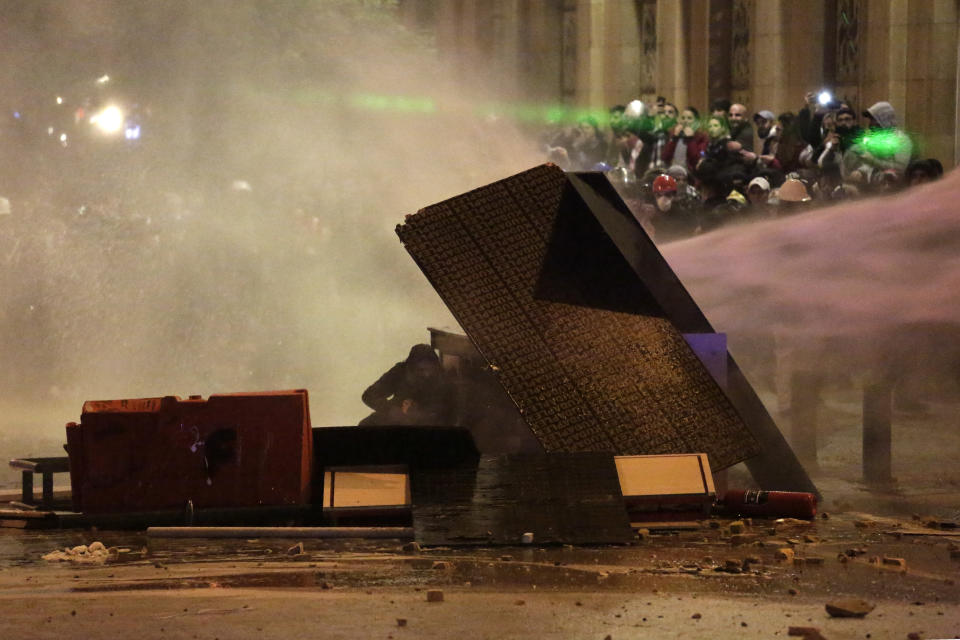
x: 764, y: 53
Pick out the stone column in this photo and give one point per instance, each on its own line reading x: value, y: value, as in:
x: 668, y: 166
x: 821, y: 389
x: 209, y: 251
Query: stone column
x: 672, y: 34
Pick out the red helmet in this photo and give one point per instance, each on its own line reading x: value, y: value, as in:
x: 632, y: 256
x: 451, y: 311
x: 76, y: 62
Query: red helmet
x: 664, y: 184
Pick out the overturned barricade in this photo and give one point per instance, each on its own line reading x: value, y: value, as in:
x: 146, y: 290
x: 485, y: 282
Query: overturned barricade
x: 576, y: 316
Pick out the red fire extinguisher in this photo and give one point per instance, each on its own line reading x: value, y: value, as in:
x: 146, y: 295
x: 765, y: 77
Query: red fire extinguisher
x: 772, y: 504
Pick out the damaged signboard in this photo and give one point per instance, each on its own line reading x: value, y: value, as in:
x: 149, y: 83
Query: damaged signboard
x: 579, y: 342
x: 231, y: 450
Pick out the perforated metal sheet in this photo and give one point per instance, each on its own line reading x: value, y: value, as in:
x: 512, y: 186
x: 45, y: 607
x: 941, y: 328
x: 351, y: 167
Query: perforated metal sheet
x: 578, y: 341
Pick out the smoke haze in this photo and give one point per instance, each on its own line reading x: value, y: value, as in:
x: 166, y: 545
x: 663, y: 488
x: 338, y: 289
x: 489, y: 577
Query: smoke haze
x: 246, y: 242
x: 870, y: 286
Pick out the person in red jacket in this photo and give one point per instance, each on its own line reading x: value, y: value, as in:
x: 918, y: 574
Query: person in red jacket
x: 686, y: 141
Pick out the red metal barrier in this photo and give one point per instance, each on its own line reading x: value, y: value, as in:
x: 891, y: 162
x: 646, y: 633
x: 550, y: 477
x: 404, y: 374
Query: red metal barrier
x: 232, y: 450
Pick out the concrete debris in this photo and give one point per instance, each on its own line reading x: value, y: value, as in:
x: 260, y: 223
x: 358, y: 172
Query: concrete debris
x: 811, y: 539
x: 808, y: 633
x: 864, y: 524
x: 95, y: 553
x: 808, y: 561
x: 790, y: 521
x: 899, y: 563
x: 643, y: 534
x: 440, y: 565
x: 696, y: 616
x: 527, y: 538
x: 401, y: 622
x: 738, y: 526
x: 295, y: 550
x: 434, y: 595
x: 855, y: 552
x: 412, y: 547
x: 849, y: 608
x: 784, y: 554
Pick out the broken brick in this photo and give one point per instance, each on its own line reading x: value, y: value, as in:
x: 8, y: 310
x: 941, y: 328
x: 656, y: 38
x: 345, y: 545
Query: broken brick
x: 737, y: 526
x: 849, y: 608
x: 808, y: 633
x: 784, y: 554
x: 295, y: 550
x: 412, y: 547
x: 434, y: 595
x: 900, y: 563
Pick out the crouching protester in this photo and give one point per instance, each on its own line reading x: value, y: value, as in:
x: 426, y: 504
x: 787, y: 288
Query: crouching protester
x: 670, y: 216
x: 412, y: 392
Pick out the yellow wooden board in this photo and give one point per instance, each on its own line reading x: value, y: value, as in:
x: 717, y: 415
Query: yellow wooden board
x: 365, y: 489
x: 665, y: 475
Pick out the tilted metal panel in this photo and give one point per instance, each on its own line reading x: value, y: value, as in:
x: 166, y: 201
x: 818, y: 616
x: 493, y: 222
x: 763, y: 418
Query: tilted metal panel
x: 578, y: 342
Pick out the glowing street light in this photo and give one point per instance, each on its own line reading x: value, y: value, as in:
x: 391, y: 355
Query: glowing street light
x: 110, y: 120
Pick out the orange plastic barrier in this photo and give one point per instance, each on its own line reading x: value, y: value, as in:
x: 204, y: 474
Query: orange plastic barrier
x: 232, y: 450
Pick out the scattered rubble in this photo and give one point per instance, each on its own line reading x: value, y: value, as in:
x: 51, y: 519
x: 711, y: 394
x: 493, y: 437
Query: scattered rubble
x: 434, y: 595
x: 94, y: 553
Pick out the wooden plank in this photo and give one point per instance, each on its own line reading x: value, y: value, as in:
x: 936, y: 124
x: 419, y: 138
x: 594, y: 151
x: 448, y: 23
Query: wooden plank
x: 280, y: 532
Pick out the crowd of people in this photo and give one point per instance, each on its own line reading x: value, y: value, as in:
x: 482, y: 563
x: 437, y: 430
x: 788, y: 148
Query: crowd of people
x: 683, y: 173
